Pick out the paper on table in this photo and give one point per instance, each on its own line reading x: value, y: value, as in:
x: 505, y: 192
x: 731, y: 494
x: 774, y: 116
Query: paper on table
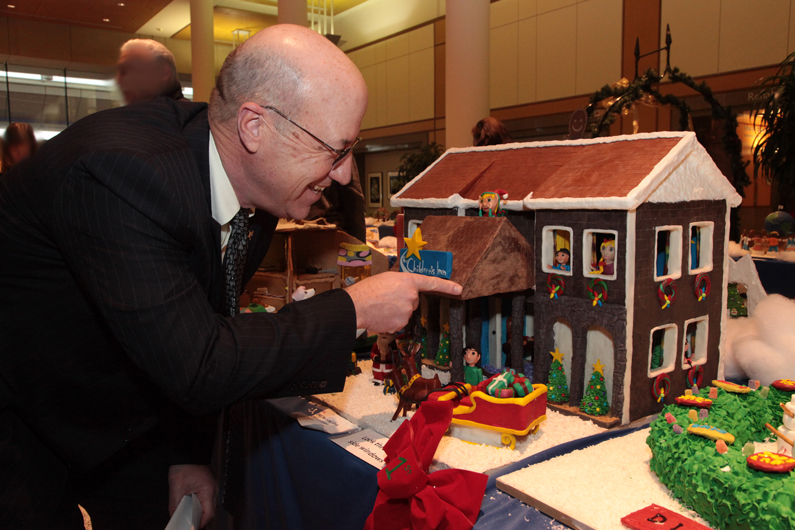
x: 188, y: 514
x: 320, y: 418
x: 365, y: 445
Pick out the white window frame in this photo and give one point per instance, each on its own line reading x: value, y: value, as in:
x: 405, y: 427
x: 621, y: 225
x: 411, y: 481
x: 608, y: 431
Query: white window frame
x: 587, y: 237
x: 674, y: 258
x: 699, y: 356
x: 706, y: 246
x: 546, y: 250
x: 412, y: 227
x: 669, y: 358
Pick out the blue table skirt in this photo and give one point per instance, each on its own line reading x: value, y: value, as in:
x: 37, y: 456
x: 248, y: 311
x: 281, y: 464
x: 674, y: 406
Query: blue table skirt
x: 776, y: 276
x: 299, y: 479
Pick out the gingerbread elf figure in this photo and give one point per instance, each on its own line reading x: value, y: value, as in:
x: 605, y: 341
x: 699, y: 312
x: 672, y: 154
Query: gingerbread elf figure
x: 489, y: 203
x: 473, y: 373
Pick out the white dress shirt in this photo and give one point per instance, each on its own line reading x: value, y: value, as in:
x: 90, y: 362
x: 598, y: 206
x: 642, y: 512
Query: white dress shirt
x: 222, y: 196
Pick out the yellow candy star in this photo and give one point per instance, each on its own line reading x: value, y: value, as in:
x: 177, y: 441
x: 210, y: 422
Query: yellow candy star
x: 414, y: 244
x: 557, y: 356
x: 447, y: 328
x: 424, y: 322
x: 598, y: 367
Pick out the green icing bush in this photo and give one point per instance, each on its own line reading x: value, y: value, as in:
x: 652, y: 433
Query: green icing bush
x: 690, y: 466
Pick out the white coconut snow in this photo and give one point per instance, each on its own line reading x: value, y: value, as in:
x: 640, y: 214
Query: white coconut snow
x: 617, y: 469
x: 762, y: 346
x: 366, y: 405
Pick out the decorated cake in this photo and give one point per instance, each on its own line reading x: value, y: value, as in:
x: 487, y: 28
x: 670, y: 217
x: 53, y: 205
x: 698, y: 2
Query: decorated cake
x: 710, y: 461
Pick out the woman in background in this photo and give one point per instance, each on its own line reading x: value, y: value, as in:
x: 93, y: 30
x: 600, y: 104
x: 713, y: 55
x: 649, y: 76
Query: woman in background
x: 19, y: 143
x: 490, y: 131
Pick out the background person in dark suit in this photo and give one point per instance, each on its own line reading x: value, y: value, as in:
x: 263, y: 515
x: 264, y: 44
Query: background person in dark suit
x: 116, y: 296
x: 145, y: 70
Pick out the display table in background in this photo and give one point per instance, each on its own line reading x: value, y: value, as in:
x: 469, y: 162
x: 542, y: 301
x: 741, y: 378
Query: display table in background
x: 299, y: 479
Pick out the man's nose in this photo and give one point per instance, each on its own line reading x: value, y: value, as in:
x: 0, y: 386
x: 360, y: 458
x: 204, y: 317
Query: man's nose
x: 342, y: 173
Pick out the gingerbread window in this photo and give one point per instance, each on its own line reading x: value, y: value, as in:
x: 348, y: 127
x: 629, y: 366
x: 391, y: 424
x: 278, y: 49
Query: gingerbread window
x: 600, y: 254
x: 700, y: 247
x: 556, y: 250
x: 662, y: 349
x: 667, y: 253
x: 412, y: 227
x: 694, y: 342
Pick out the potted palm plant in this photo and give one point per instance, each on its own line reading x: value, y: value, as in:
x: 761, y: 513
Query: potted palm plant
x: 774, y: 113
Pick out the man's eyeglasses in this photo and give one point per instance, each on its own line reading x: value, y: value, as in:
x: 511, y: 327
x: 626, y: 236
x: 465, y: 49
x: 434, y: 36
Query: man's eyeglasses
x: 341, y: 153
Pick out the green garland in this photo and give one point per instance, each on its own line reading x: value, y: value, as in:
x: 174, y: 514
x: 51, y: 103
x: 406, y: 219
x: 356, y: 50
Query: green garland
x: 646, y: 85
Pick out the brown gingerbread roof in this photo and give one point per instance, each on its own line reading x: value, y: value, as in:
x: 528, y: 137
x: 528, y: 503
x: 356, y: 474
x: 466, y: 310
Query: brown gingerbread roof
x: 572, y: 171
x: 619, y: 172
x: 489, y: 255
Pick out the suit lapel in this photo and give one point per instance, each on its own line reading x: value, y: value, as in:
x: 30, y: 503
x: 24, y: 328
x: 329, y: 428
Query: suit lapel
x: 210, y: 274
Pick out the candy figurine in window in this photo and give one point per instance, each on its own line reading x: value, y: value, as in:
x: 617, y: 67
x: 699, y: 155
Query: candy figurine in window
x: 606, y: 265
x: 473, y: 373
x: 489, y: 203
x: 562, y: 257
x: 382, y: 355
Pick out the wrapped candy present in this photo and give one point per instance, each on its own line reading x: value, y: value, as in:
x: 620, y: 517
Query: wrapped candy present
x: 505, y: 393
x: 500, y: 382
x: 522, y: 386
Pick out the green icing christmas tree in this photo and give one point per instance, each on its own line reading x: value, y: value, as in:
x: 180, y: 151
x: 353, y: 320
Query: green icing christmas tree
x: 595, y: 400
x: 443, y: 353
x: 557, y: 388
x: 656, y: 356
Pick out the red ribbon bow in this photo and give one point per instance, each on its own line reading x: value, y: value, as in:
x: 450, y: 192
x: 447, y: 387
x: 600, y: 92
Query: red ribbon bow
x: 409, y: 497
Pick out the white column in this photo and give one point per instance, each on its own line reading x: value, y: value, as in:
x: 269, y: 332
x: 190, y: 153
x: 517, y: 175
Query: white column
x: 466, y: 69
x: 202, y: 48
x: 292, y: 12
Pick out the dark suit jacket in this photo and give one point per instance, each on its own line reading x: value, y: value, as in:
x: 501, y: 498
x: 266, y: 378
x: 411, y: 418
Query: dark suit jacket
x: 110, y: 296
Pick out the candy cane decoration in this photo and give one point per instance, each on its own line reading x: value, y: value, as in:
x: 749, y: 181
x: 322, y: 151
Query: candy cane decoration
x: 666, y: 287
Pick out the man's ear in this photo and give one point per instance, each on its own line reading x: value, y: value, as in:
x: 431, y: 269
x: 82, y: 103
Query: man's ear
x: 248, y: 126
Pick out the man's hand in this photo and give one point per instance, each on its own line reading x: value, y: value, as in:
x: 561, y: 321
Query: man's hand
x: 186, y: 479
x: 385, y: 302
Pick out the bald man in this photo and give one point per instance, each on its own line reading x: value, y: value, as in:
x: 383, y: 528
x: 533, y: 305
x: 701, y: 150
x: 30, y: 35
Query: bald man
x: 146, y: 69
x: 124, y: 244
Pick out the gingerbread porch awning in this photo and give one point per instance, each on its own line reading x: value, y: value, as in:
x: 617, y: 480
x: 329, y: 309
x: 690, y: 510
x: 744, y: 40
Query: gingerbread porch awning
x: 490, y: 256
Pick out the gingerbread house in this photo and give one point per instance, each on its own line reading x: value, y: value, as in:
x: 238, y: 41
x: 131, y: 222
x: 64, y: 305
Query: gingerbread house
x: 630, y: 239
x: 306, y: 254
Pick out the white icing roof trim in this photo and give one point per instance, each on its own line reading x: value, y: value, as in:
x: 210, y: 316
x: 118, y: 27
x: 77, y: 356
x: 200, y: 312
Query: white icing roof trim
x: 688, y: 162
